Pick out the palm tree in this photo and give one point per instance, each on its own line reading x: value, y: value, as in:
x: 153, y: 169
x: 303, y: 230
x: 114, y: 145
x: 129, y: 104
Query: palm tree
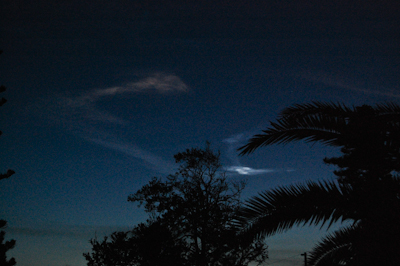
x: 317, y: 203
x: 367, y: 191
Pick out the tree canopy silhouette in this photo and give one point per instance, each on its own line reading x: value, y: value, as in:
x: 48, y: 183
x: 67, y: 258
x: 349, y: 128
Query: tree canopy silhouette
x: 4, y: 247
x: 148, y: 244
x: 195, y: 209
x: 367, y: 190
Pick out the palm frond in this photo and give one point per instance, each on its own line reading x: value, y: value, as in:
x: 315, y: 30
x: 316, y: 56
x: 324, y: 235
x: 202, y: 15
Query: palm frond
x: 388, y: 108
x: 323, y: 122
x: 317, y: 108
x: 280, y: 209
x: 309, y: 128
x: 334, y: 249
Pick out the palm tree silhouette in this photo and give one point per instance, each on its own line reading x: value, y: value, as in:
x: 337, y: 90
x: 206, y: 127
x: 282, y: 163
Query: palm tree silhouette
x: 367, y: 191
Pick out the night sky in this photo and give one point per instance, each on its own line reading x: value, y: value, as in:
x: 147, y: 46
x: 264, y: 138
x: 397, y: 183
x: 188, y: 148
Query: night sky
x: 102, y: 94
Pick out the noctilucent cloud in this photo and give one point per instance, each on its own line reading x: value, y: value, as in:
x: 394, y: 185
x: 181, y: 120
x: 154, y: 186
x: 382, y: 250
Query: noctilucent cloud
x: 101, y: 95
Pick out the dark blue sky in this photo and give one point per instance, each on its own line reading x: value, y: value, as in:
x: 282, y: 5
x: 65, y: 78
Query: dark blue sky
x: 101, y: 96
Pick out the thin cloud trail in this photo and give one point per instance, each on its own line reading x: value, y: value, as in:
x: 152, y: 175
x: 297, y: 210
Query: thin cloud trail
x: 341, y: 82
x: 85, y: 104
x: 82, y: 115
x: 132, y: 150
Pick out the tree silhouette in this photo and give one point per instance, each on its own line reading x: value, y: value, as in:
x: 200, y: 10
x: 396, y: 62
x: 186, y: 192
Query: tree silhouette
x: 3, y: 101
x: 147, y: 244
x: 199, y: 205
x: 191, y: 221
x: 367, y: 189
x: 4, y: 247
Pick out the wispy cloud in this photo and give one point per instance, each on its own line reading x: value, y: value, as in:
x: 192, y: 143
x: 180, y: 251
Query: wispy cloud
x: 154, y: 161
x: 159, y: 82
x: 84, y: 116
x: 345, y: 83
x: 85, y: 103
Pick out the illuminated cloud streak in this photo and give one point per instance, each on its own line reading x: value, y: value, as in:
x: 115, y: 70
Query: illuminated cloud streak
x: 244, y: 170
x: 160, y: 83
x: 85, y: 104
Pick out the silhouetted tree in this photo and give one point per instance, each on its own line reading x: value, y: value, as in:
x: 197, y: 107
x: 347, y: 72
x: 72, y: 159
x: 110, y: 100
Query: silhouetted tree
x: 116, y: 251
x: 368, y: 188
x: 3, y: 101
x: 192, y: 214
x: 4, y: 247
x: 199, y: 205
x: 158, y: 245
x: 147, y: 244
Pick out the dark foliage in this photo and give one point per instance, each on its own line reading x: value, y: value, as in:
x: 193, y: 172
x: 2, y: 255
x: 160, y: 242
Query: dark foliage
x: 367, y: 190
x: 147, y: 244
x: 3, y: 101
x: 199, y: 205
x: 4, y: 247
x: 191, y: 221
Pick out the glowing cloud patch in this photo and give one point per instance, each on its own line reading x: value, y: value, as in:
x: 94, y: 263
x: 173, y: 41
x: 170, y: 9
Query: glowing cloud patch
x: 243, y: 170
